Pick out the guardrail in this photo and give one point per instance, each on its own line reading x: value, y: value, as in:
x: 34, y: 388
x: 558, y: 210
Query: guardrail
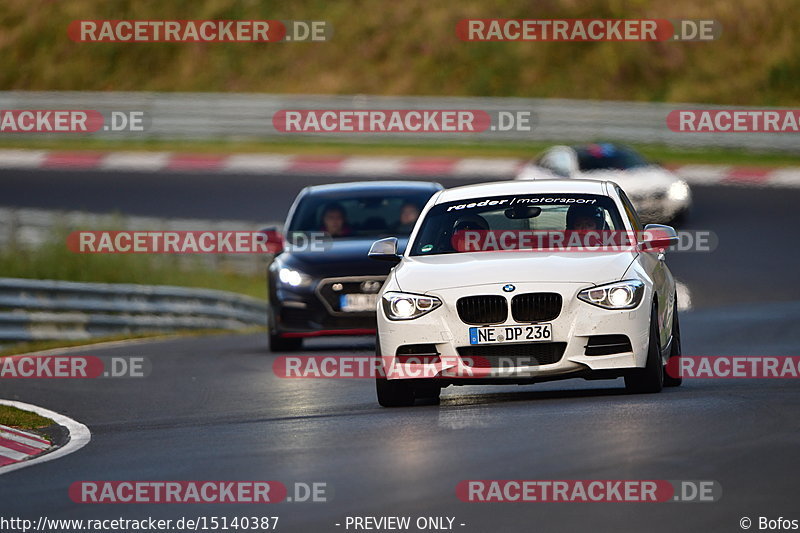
x: 249, y: 116
x: 63, y: 310
x: 30, y: 228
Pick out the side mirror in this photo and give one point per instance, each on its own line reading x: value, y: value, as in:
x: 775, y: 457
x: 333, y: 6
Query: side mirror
x: 273, y: 239
x: 384, y: 250
x: 658, y: 237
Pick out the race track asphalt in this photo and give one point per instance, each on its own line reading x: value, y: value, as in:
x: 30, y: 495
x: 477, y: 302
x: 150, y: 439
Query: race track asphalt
x: 212, y: 408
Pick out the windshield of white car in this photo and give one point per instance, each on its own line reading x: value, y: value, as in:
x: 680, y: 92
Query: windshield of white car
x: 608, y: 157
x: 440, y: 228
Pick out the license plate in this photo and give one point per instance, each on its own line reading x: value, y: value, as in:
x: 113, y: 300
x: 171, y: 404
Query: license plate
x: 494, y: 335
x: 358, y: 302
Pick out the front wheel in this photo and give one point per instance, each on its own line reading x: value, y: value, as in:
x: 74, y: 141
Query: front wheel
x: 675, y: 350
x: 283, y: 344
x: 651, y: 377
x: 428, y: 392
x: 278, y: 343
x: 394, y: 392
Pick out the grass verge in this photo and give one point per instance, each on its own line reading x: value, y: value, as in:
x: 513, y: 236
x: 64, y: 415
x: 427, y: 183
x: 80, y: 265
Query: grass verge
x: 19, y: 419
x: 434, y: 148
x: 411, y: 48
x: 53, y: 260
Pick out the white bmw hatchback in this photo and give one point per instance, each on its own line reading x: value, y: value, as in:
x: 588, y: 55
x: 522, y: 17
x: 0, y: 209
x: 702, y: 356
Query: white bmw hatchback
x: 500, y: 284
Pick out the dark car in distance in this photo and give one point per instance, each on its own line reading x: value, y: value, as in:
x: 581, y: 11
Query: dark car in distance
x: 322, y: 282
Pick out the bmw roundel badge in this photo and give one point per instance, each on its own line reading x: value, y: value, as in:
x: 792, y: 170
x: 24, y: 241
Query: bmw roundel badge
x: 509, y: 288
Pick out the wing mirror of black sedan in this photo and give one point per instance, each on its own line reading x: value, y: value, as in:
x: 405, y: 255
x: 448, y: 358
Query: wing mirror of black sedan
x: 273, y: 239
x: 384, y: 250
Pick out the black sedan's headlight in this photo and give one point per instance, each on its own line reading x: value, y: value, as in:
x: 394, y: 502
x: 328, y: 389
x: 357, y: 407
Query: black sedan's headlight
x: 293, y: 278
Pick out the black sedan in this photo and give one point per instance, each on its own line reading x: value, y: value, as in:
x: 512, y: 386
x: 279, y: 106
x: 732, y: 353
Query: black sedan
x: 322, y: 282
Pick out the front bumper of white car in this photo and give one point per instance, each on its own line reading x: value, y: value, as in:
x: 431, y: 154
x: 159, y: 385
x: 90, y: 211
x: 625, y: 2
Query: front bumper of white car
x: 587, y: 341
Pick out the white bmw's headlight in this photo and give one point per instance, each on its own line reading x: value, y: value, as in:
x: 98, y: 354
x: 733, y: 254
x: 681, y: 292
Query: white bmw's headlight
x: 404, y: 306
x: 619, y: 295
x: 678, y: 191
x: 293, y: 278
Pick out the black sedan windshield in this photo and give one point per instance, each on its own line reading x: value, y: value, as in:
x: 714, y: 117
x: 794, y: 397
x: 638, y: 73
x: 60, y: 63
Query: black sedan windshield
x: 360, y: 216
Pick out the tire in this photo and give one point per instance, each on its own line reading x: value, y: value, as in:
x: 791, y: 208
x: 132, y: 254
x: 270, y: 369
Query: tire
x: 429, y: 393
x: 283, y: 344
x: 675, y: 350
x: 395, y: 392
x: 278, y: 343
x: 650, y: 378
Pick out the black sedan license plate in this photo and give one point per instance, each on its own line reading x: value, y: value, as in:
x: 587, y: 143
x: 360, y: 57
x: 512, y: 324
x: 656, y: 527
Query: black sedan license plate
x: 358, y: 302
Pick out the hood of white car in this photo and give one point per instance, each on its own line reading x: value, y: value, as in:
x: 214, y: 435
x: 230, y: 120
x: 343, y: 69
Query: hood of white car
x: 422, y: 274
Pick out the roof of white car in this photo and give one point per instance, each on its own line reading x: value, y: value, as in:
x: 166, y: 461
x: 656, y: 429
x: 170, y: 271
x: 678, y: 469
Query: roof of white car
x: 501, y: 188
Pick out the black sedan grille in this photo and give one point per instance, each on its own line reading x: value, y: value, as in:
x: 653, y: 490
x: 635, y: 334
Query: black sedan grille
x: 331, y: 290
x: 511, y: 355
x: 536, y: 306
x: 484, y: 309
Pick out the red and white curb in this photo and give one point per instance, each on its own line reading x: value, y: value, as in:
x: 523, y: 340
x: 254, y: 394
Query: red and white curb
x: 17, y: 445
x: 355, y: 166
x: 19, y: 449
x: 260, y: 163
